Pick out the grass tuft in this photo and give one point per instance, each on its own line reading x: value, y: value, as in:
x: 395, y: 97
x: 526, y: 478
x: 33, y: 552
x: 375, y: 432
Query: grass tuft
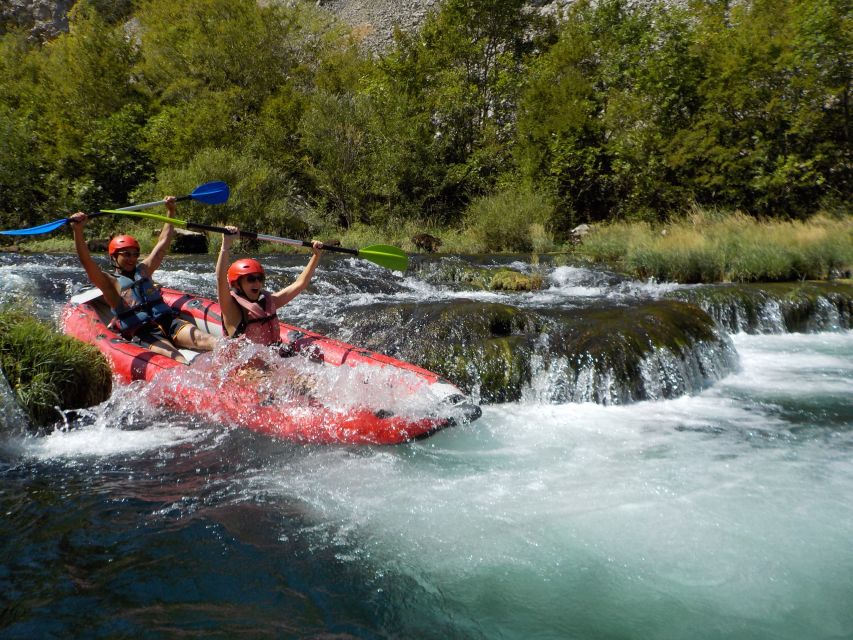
x: 48, y: 370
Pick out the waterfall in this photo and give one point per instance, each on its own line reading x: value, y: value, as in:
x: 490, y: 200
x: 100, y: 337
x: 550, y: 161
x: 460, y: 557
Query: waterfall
x: 664, y: 373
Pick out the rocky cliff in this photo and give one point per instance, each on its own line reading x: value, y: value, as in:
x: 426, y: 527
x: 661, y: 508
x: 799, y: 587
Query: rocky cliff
x: 373, y: 20
x: 44, y: 19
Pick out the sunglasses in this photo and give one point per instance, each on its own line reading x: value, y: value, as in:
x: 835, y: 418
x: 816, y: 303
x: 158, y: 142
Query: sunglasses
x: 128, y: 254
x: 255, y: 278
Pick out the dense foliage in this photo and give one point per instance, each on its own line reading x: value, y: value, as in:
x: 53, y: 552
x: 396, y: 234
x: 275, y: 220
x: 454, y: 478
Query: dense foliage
x: 618, y: 109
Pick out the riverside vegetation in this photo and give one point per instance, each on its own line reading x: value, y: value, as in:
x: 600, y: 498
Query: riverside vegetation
x: 492, y: 127
x: 48, y: 372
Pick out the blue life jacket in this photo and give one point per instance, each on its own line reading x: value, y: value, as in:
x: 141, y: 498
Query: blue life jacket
x: 141, y: 305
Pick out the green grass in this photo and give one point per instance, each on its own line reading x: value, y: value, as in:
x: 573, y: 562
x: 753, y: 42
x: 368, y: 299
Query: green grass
x: 706, y: 247
x: 48, y: 370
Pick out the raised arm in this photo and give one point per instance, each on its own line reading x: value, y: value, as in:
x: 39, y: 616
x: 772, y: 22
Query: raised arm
x: 231, y: 314
x: 152, y: 262
x: 97, y: 277
x: 282, y: 297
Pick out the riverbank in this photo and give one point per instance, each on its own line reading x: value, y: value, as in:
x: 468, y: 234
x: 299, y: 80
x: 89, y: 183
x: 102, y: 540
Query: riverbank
x: 709, y: 248
x: 702, y: 247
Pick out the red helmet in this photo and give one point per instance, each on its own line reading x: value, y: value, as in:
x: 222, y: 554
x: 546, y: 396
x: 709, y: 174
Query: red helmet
x: 122, y: 242
x: 243, y: 268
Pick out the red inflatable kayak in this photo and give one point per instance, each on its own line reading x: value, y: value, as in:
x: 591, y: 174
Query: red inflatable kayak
x: 314, y: 389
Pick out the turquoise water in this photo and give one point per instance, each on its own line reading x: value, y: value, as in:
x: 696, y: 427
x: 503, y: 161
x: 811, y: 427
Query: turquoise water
x: 728, y: 514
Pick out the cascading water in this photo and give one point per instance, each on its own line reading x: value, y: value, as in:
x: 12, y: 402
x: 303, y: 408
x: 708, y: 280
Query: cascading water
x: 718, y: 507
x: 12, y: 417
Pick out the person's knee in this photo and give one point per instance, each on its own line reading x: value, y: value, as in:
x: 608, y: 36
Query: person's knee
x: 202, y: 340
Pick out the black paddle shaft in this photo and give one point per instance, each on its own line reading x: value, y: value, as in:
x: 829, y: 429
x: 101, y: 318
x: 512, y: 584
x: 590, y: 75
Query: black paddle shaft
x: 254, y: 235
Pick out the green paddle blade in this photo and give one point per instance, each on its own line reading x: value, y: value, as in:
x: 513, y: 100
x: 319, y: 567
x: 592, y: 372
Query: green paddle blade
x: 385, y: 256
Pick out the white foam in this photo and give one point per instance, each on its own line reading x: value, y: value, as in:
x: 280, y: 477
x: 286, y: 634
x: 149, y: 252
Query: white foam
x: 102, y: 441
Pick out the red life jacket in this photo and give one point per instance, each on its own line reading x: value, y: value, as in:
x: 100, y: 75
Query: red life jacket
x: 259, y: 323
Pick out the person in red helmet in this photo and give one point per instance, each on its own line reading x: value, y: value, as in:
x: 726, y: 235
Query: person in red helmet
x: 247, y: 308
x: 140, y: 314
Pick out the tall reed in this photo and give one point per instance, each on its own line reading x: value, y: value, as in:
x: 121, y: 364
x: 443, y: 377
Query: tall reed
x: 710, y: 247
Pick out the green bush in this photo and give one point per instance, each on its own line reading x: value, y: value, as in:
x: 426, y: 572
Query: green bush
x: 511, y: 220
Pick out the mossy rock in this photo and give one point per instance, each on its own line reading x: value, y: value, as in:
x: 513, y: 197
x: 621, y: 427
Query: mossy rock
x: 46, y: 370
x: 776, y: 307
x: 477, y: 346
x: 512, y: 280
x: 608, y: 355
x: 463, y: 276
x: 659, y: 349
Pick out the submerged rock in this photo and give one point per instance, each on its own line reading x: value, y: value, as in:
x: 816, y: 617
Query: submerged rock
x: 660, y: 349
x: 48, y: 372
x: 777, y: 307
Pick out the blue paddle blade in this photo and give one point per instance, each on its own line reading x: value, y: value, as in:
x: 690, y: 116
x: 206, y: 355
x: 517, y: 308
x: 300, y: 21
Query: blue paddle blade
x: 211, y: 192
x: 33, y: 231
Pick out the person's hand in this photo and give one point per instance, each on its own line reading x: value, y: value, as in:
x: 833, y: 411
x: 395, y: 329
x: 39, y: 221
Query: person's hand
x: 78, y: 218
x: 316, y: 247
x: 171, y: 203
x: 231, y: 232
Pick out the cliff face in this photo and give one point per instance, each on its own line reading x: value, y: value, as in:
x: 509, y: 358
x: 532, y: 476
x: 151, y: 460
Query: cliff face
x: 373, y: 20
x: 44, y: 19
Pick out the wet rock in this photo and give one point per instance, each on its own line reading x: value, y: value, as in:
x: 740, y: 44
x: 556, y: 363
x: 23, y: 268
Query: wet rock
x: 466, y: 277
x: 189, y: 242
x: 12, y: 416
x: 656, y: 350
x: 502, y: 353
x: 512, y: 280
x: 775, y: 307
x: 475, y: 345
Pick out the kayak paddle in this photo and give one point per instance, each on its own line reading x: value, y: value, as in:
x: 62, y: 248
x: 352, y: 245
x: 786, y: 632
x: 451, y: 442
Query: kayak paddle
x: 381, y: 254
x: 209, y: 193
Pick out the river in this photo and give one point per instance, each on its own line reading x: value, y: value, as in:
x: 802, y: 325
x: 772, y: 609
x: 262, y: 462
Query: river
x: 724, y: 514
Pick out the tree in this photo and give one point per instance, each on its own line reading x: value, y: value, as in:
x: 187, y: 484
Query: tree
x: 601, y: 106
x: 772, y: 135
x: 454, y: 87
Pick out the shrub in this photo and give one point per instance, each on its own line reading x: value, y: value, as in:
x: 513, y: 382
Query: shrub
x: 511, y: 220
